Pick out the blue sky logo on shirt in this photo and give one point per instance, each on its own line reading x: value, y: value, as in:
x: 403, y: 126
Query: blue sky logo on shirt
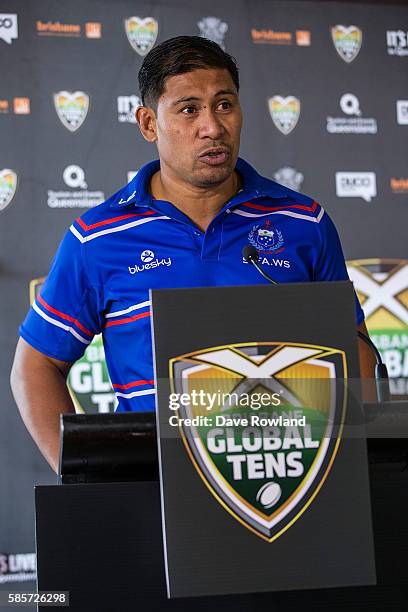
x: 149, y: 261
x: 266, y: 239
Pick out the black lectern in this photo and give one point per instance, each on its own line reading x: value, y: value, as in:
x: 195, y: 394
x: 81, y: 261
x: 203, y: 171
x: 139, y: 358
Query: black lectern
x: 102, y: 541
x: 108, y: 448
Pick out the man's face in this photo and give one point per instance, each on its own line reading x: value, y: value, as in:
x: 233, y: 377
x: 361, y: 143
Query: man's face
x: 198, y: 126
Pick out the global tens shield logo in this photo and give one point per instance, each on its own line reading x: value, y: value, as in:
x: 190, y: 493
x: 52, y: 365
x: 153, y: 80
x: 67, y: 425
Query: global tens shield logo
x: 141, y: 33
x: 8, y: 186
x: 72, y: 108
x: 274, y: 422
x: 382, y: 288
x: 347, y: 41
x: 285, y: 112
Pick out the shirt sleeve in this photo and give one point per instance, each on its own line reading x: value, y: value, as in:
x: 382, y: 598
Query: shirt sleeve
x: 63, y: 317
x: 331, y: 265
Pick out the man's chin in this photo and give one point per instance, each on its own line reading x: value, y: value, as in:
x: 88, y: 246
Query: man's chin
x: 212, y: 175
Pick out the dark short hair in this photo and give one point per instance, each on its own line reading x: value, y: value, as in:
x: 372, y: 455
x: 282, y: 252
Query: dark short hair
x: 177, y: 56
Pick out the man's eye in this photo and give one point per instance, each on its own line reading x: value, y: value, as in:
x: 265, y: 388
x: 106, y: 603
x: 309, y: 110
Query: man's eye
x: 189, y: 110
x: 225, y: 105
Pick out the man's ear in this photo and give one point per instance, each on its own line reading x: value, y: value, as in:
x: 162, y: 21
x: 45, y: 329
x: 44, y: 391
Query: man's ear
x: 146, y: 120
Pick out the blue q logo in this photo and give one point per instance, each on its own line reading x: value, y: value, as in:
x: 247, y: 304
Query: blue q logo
x: 265, y: 239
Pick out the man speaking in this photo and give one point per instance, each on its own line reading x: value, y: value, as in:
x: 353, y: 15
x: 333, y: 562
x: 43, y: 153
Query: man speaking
x: 182, y: 222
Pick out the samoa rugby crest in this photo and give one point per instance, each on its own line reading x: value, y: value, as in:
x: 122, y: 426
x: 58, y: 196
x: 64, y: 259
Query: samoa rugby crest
x: 260, y: 466
x: 266, y: 239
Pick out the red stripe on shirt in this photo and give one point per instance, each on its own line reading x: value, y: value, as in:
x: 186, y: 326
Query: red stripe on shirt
x: 128, y: 319
x: 64, y: 316
x: 268, y: 208
x: 135, y: 383
x: 109, y: 221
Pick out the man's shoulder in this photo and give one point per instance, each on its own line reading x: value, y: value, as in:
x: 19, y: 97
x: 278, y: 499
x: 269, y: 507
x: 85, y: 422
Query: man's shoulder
x: 121, y: 209
x: 115, y: 205
x: 275, y: 197
x: 132, y: 200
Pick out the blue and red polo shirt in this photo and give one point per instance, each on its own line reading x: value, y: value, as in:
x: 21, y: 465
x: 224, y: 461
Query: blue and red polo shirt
x: 114, y: 253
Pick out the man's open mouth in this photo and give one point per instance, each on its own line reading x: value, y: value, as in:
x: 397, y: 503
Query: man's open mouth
x: 215, y: 156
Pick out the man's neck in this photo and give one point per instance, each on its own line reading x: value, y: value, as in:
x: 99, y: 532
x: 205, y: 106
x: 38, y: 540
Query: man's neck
x: 201, y: 204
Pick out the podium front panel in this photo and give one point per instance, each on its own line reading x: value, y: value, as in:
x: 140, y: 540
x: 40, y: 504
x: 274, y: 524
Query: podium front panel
x: 252, y: 505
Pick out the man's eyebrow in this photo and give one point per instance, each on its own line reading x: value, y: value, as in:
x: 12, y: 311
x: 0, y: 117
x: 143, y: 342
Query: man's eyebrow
x: 188, y: 99
x: 222, y: 92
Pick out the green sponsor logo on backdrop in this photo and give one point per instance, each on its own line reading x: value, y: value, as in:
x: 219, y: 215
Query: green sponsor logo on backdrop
x: 89, y: 382
x: 382, y: 288
x: 266, y: 430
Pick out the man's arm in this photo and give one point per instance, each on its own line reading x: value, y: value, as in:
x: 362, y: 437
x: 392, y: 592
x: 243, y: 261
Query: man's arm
x: 39, y: 387
x: 367, y: 368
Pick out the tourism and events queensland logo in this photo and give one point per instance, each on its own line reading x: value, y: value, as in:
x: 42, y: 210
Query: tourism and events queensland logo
x: 382, y: 288
x: 78, y: 195
x: 347, y: 41
x: 88, y: 380
x: 353, y: 121
x: 141, y: 33
x: 262, y: 425
x: 72, y: 108
x: 8, y: 186
x: 285, y: 112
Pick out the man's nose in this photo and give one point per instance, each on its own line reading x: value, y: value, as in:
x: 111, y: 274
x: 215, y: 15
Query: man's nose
x: 211, y: 125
